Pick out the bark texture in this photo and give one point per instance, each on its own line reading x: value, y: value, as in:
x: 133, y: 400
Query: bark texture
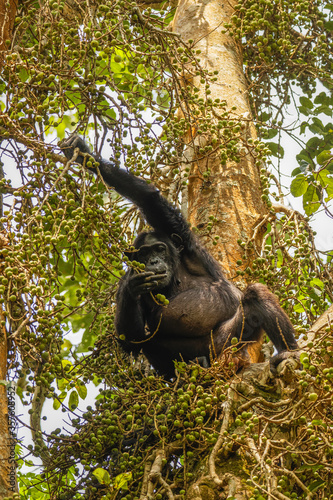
x: 4, y: 430
x: 233, y: 193
x: 7, y: 18
x: 4, y: 434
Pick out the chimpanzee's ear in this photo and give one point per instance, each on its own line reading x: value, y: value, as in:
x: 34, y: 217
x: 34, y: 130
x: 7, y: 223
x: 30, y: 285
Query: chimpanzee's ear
x: 177, y: 241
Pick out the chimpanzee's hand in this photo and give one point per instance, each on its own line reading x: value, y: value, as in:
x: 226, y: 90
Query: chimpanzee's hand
x: 69, y: 144
x: 144, y: 283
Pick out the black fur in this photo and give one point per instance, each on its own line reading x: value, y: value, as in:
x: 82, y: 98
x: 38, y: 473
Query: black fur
x: 205, y: 310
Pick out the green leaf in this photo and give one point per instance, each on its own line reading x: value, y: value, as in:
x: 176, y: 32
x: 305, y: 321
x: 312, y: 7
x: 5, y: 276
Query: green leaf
x: 102, y: 476
x: 319, y: 483
x: 327, y: 110
x: 326, y: 181
x: 63, y: 126
x: 322, y: 178
x: 317, y: 282
x: 312, y: 144
x: 62, y: 383
x: 305, y: 157
x: 73, y: 400
x: 322, y: 98
x: 329, y: 187
x: 121, y: 481
x: 276, y: 149
x: 312, y: 468
x: 318, y: 123
x: 264, y: 116
x: 271, y: 133
x: 306, y: 102
x: 299, y: 186
x: 315, y: 129
x: 296, y: 171
x: 311, y: 200
x: 329, y: 168
x: 23, y: 75
x: 299, y: 308
x: 79, y: 321
x: 115, y: 67
x: 73, y: 96
x: 305, y: 111
x: 66, y: 362
x: 315, y: 294
x: 324, y: 156
x: 19, y: 392
x: 328, y: 129
x: 88, y: 340
x: 56, y: 404
x: 303, y: 127
x: 81, y: 389
x: 280, y: 257
x: 66, y: 344
x: 60, y: 398
x: 304, y: 167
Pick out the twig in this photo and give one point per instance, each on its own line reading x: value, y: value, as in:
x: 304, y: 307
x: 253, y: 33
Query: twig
x: 65, y: 170
x: 260, y: 400
x: 226, y: 417
x: 279, y: 207
x: 153, y: 472
x: 148, y: 25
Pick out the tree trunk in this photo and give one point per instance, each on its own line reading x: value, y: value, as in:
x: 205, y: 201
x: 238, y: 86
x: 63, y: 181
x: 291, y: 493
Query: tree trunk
x: 4, y: 430
x: 5, y: 442
x: 233, y: 193
x: 7, y: 18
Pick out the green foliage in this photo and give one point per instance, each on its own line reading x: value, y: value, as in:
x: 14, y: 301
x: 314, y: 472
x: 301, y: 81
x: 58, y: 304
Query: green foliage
x: 289, y: 46
x: 285, y: 43
x: 314, y: 177
x: 288, y: 263
x: 141, y: 423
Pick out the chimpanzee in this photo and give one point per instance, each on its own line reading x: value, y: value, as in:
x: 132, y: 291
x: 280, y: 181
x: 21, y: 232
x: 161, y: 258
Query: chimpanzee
x: 205, y: 311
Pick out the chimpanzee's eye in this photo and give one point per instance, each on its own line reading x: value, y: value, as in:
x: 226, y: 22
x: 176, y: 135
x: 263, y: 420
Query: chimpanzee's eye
x: 142, y: 254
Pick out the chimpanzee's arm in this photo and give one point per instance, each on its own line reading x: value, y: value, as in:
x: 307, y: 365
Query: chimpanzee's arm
x: 129, y: 316
x: 159, y: 213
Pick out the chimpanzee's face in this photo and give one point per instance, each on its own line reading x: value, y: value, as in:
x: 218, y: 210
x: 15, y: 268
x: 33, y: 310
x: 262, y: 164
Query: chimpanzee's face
x: 158, y: 254
x: 157, y: 257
